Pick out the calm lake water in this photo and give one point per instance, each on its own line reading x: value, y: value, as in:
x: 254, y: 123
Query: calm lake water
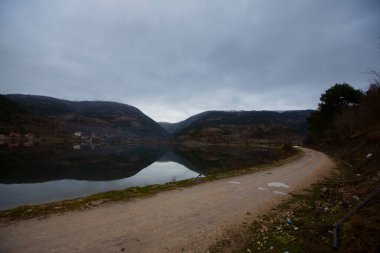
x: 42, y: 174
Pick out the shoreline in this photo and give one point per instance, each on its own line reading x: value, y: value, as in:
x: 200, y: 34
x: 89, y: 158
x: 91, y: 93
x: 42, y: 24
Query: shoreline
x: 186, y: 219
x: 82, y: 203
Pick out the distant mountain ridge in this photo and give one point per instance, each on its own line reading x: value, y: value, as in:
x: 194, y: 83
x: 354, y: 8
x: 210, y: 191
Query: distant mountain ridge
x: 101, y: 120
x: 174, y: 127
x: 43, y: 105
x: 242, y: 126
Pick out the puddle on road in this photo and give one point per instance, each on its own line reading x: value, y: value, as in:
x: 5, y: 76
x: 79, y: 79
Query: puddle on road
x: 234, y: 182
x: 279, y: 192
x: 261, y: 188
x: 278, y: 184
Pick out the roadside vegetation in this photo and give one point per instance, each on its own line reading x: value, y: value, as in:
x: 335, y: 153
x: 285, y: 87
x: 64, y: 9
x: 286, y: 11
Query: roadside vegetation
x: 347, y: 127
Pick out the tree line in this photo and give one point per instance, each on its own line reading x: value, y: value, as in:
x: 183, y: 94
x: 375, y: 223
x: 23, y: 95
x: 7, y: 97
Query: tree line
x: 346, y: 114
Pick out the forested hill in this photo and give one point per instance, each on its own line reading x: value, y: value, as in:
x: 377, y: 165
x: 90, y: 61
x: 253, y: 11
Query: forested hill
x: 109, y: 121
x: 56, y: 117
x: 243, y: 126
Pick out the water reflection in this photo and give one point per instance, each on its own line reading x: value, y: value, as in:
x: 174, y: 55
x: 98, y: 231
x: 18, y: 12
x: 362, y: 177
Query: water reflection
x: 55, y: 162
x: 46, y: 173
x: 34, y: 193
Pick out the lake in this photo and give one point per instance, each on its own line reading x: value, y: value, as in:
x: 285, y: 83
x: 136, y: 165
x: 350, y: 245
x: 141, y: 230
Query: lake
x: 47, y: 173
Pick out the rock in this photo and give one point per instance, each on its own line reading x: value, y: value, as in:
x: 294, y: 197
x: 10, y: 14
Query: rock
x: 323, y: 189
x: 355, y: 197
x: 368, y: 155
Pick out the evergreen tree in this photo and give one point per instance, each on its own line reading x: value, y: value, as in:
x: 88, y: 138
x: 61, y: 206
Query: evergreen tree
x: 333, y: 101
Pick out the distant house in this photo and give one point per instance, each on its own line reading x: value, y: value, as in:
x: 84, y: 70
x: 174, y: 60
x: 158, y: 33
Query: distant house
x: 14, y: 135
x: 29, y: 136
x: 28, y: 143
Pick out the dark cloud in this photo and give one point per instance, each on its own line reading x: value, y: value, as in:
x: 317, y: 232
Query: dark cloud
x: 176, y: 58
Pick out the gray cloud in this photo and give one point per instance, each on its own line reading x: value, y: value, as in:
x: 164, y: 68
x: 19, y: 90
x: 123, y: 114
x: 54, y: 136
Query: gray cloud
x: 174, y: 58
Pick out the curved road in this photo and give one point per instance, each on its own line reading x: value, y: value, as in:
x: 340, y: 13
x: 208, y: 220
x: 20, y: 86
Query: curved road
x: 183, y: 220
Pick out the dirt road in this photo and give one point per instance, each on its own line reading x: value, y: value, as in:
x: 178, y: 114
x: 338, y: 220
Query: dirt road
x: 183, y: 220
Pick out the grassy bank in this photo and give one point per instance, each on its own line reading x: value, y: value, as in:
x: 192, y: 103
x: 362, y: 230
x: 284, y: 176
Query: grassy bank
x: 41, y: 211
x: 304, y: 223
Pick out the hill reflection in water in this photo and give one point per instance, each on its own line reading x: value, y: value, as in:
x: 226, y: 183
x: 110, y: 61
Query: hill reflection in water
x: 46, y: 173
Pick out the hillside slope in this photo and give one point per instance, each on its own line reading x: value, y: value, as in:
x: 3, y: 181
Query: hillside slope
x: 175, y: 127
x: 46, y: 116
x: 244, y: 126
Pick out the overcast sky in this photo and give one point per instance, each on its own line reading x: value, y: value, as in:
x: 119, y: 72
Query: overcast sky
x: 175, y: 58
